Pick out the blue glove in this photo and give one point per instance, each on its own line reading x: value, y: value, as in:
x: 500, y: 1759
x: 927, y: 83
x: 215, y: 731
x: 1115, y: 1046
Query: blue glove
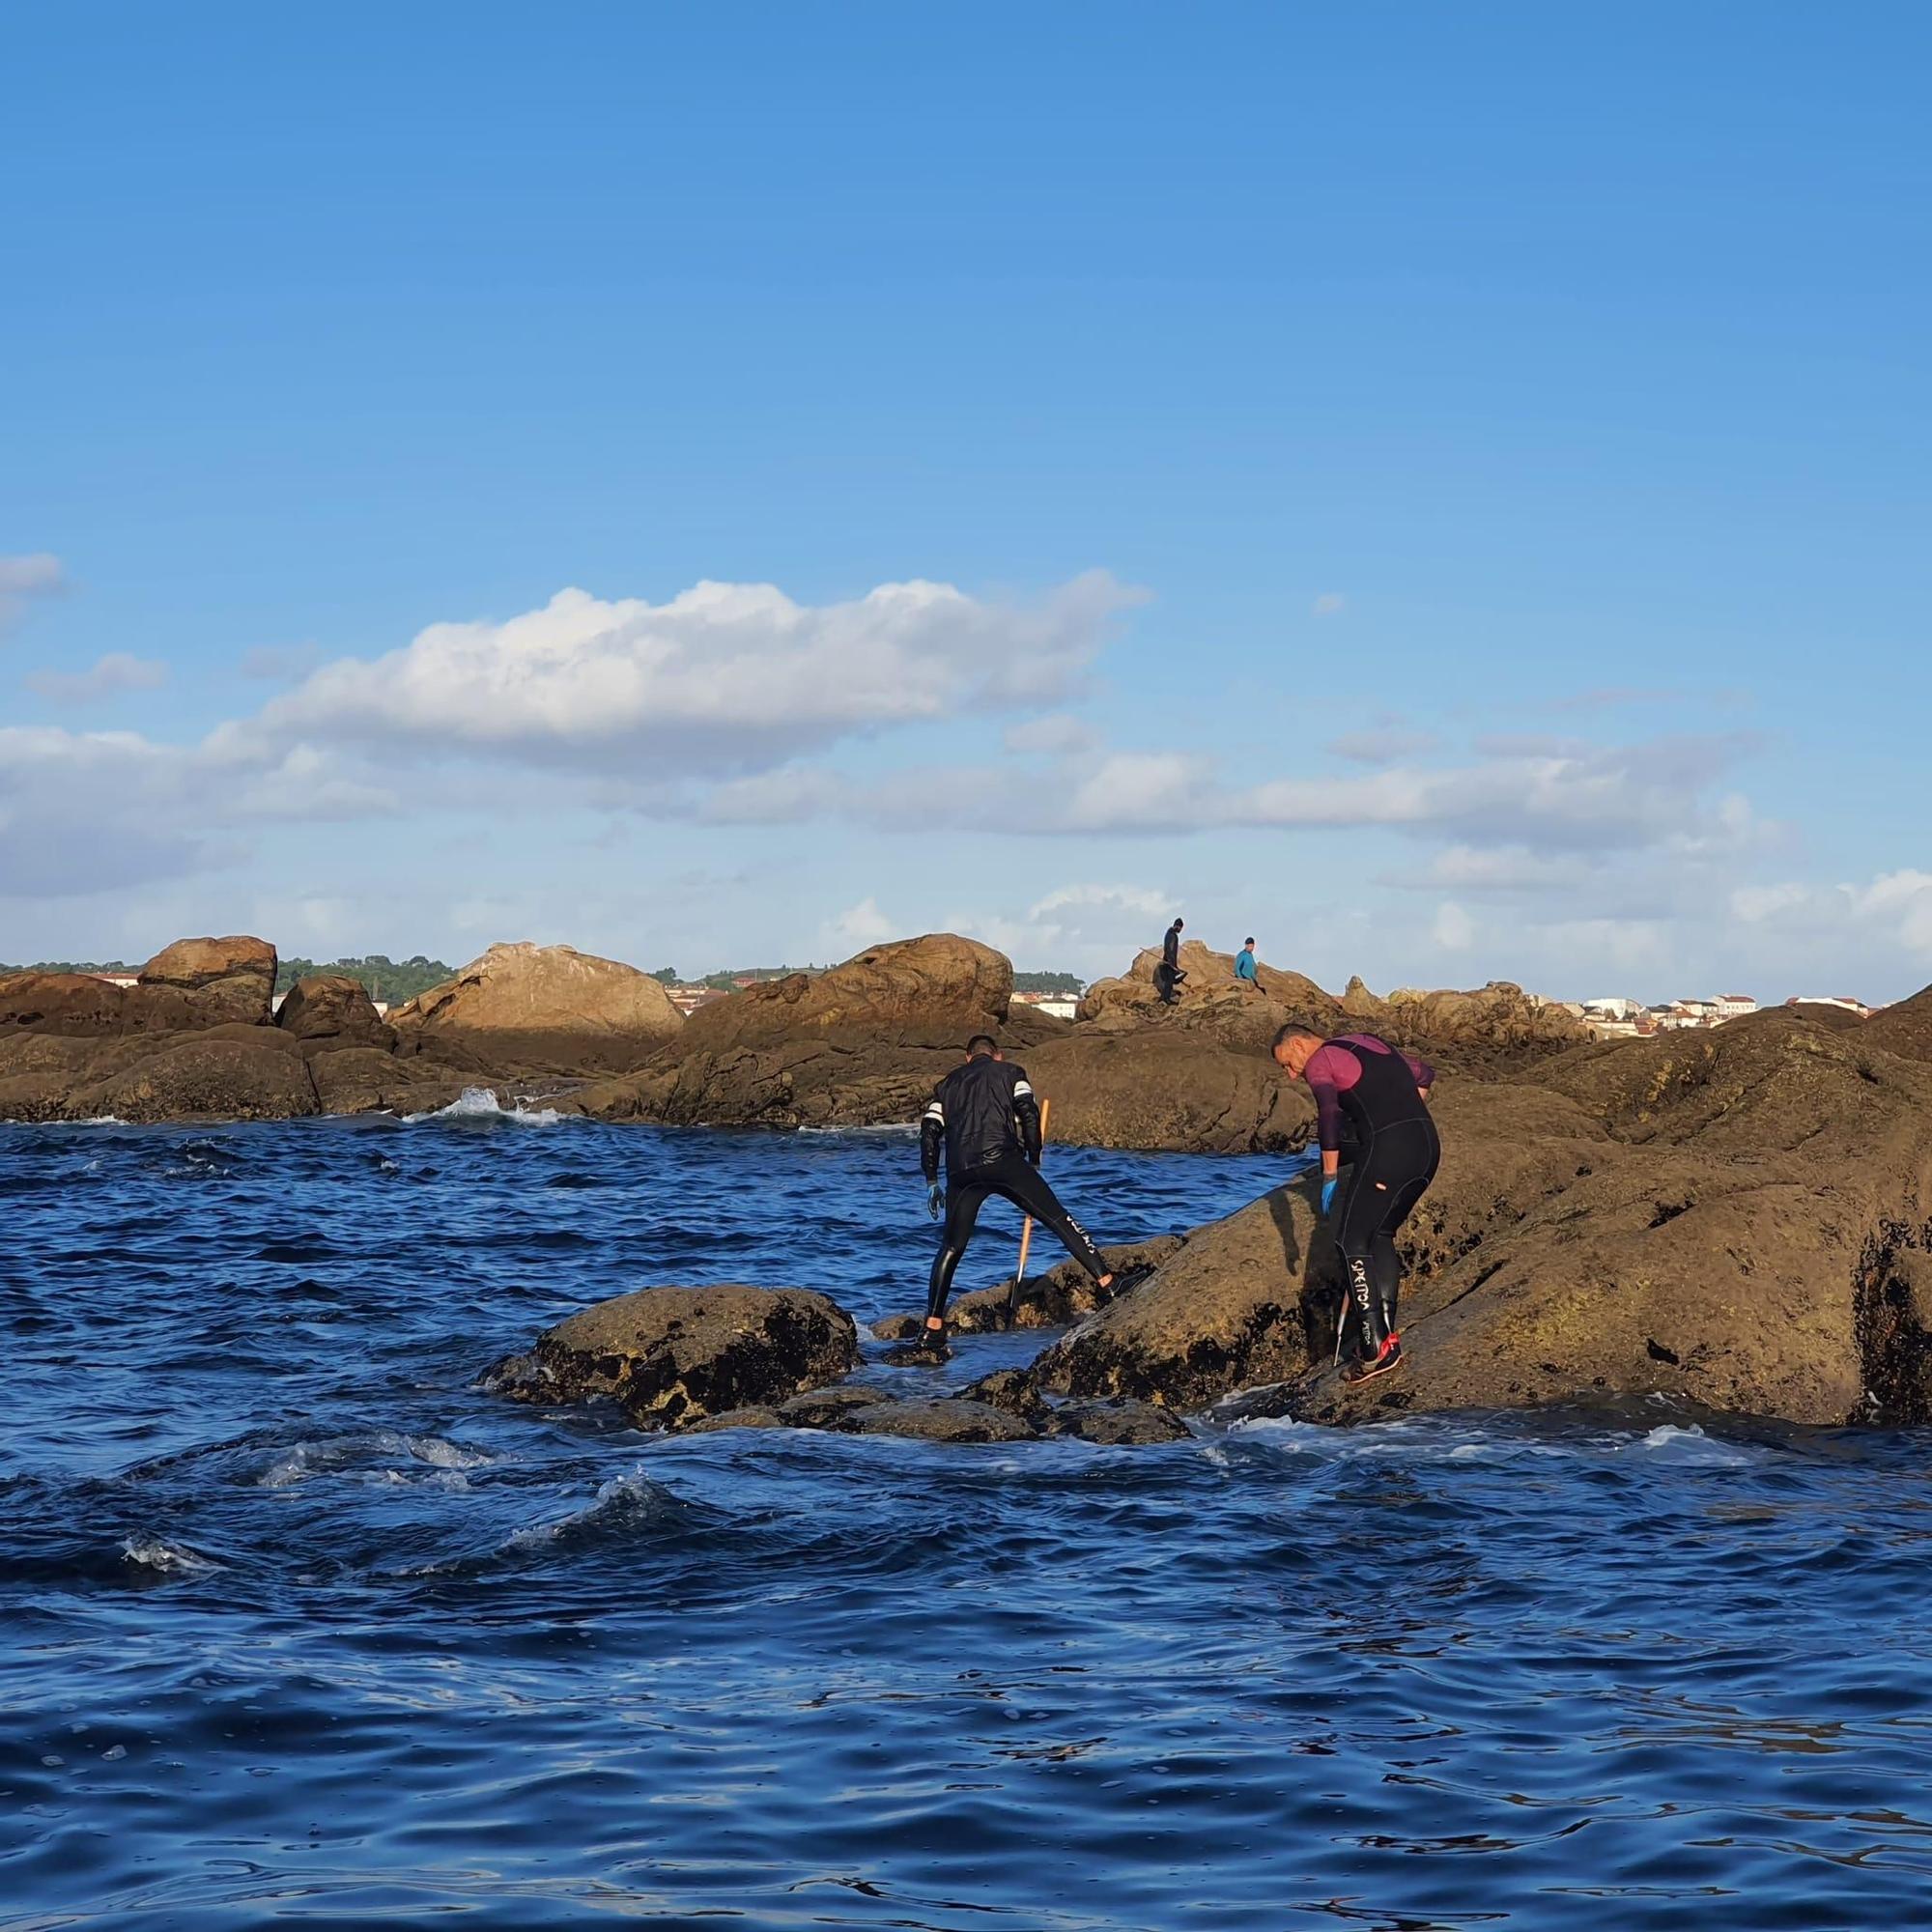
x: 933, y: 1199
x: 1329, y: 1187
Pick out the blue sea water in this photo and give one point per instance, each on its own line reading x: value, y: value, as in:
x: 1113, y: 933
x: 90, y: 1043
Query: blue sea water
x: 303, y: 1626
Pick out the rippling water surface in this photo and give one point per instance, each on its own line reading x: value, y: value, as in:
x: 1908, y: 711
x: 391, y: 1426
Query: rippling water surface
x: 303, y: 1626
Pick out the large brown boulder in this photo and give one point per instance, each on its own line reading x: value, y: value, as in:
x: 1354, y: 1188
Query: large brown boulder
x: 548, y: 1007
x: 545, y: 994
x: 228, y: 981
x: 77, y: 1005
x: 670, y: 1357
x: 861, y: 1044
x: 332, y: 1007
x: 1735, y: 1218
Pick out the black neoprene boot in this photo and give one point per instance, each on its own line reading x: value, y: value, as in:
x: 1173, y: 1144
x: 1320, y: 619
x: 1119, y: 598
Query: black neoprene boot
x: 1380, y: 1346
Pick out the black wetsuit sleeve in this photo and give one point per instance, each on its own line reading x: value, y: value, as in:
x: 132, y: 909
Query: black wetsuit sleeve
x: 931, y: 1131
x: 1026, y: 1111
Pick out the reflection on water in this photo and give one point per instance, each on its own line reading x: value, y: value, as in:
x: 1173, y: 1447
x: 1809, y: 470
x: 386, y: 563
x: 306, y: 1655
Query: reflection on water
x: 305, y: 1626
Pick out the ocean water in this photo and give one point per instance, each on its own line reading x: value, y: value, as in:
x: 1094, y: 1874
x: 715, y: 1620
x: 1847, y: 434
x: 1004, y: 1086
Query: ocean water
x: 304, y: 1627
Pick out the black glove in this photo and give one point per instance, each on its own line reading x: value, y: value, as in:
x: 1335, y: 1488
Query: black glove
x: 934, y: 1200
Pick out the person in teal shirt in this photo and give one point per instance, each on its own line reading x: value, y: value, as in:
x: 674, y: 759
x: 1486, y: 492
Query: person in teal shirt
x: 1245, y: 969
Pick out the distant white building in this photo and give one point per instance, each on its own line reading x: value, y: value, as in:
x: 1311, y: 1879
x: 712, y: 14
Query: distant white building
x: 1611, y: 1008
x: 1844, y: 999
x: 1733, y: 1005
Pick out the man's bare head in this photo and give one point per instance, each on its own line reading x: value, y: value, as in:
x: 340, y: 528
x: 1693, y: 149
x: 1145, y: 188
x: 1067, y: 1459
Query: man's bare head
x: 1295, y: 1046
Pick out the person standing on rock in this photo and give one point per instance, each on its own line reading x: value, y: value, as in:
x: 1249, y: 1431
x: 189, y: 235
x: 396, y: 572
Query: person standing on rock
x: 986, y: 1118
x: 1363, y: 1083
x: 1245, y: 969
x: 1168, y: 976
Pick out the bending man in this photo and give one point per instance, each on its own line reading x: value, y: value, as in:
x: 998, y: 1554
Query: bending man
x: 1381, y: 1095
x: 986, y: 1115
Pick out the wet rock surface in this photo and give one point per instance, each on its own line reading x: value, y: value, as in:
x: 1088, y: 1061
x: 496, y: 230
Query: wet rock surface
x: 1732, y: 1219
x: 943, y: 1419
x: 671, y: 1357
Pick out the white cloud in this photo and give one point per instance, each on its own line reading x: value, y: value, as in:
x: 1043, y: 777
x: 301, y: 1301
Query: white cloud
x: 92, y: 812
x: 857, y: 927
x: 1087, y: 929
x: 722, y: 677
x: 1072, y: 902
x: 23, y: 577
x: 1452, y: 930
x: 1056, y: 735
x: 1501, y: 868
x: 1902, y: 900
x: 115, y: 672
x: 1330, y: 604
x: 1142, y: 791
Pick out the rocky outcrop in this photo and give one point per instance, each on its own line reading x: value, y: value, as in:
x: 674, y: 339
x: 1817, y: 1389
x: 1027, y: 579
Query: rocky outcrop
x: 187, y: 987
x: 1497, y: 1027
x: 228, y: 981
x: 1904, y: 1028
x: 1212, y: 1000
x: 232, y: 1073
x: 670, y: 1357
x: 862, y: 1043
x: 546, y: 1008
x: 75, y: 1005
x: 332, y: 1007
x: 1733, y: 1218
x: 1169, y: 1088
x: 1000, y: 1409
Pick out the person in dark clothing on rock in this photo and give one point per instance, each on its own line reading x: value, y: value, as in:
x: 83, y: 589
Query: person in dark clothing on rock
x: 1168, y: 976
x: 985, y: 1117
x: 1371, y: 1103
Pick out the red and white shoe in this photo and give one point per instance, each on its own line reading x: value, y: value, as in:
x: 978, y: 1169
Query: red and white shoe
x: 1385, y: 1358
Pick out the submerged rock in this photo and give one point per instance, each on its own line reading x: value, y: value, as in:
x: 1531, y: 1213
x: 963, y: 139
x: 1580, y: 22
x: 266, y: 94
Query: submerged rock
x: 1117, y: 1421
x: 946, y: 1419
x: 671, y: 1357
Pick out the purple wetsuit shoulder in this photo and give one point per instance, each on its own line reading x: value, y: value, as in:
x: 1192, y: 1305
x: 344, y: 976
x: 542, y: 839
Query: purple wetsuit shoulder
x: 1332, y: 1069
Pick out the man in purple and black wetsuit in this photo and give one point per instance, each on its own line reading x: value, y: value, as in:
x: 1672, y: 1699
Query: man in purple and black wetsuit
x: 1372, y: 1101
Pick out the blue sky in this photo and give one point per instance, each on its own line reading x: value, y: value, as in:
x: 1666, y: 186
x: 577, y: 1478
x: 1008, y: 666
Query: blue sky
x: 1443, y: 490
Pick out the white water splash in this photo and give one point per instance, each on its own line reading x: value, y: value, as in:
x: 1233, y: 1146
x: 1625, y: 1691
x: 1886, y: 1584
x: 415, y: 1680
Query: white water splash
x: 378, y: 1453
x: 168, y: 1559
x: 480, y: 1103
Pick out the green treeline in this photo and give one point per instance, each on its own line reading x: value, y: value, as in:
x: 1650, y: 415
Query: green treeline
x: 392, y: 979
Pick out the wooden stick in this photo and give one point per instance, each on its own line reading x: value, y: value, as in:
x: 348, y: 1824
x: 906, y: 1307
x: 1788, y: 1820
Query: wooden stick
x: 1026, y: 1229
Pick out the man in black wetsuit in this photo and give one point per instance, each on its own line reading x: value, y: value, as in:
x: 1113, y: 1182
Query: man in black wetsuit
x: 985, y: 1116
x: 1363, y: 1083
x: 1168, y: 976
